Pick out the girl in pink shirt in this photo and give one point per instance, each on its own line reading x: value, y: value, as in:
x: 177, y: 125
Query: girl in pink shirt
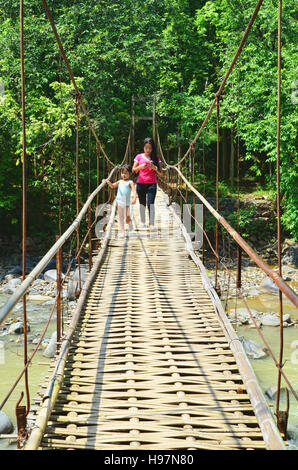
x: 147, y: 164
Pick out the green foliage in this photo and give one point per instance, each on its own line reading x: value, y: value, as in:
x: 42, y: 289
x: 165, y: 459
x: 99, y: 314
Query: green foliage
x: 178, y: 50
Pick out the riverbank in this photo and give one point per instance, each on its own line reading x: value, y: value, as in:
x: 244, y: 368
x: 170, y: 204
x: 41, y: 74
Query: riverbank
x: 261, y: 296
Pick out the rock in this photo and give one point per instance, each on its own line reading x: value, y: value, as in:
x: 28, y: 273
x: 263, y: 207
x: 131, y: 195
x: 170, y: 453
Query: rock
x: 16, y: 271
x: 288, y: 270
x: 84, y: 273
x: 12, y: 285
x: 40, y: 298
x: 271, y: 392
x: 269, y: 286
x: 51, y: 348
x: 292, y: 432
x: 290, y: 253
x: 71, y: 289
x: 33, y: 292
x: 286, y: 318
x: 242, y: 315
x: 51, y: 275
x: 6, y: 426
x: 252, y: 291
x: 270, y: 319
x: 73, y: 284
x: 17, y: 328
x: 253, y: 349
x: 252, y: 325
x: 49, y: 302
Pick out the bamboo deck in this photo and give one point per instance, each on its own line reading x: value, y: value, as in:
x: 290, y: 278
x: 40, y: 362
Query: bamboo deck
x: 149, y: 366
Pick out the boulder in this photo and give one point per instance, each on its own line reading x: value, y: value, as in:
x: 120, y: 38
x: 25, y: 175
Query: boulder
x: 72, y: 287
x: 84, y: 273
x: 270, y: 319
x: 271, y: 392
x: 252, y: 291
x: 12, y: 285
x: 6, y: 426
x: 73, y: 283
x: 51, y: 348
x: 17, y: 328
x: 253, y: 349
x: 51, y: 275
x: 290, y: 253
x: 269, y: 286
x: 242, y: 314
x: 38, y: 297
x: 16, y: 271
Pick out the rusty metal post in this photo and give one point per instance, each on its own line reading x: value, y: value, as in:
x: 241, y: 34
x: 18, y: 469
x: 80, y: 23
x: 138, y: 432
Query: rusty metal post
x: 58, y: 306
x: 239, y: 264
x: 77, y: 185
x: 89, y: 237
x: 97, y: 172
x: 21, y: 416
x: 204, y: 212
x: 217, y: 194
x: 24, y: 195
x: 203, y: 237
x: 103, y: 174
x: 193, y: 183
x: 281, y: 418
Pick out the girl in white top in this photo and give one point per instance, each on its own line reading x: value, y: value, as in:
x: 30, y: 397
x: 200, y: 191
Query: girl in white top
x: 125, y: 185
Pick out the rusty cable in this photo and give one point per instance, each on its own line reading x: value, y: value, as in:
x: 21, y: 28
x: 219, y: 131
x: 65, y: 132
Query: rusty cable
x: 24, y: 196
x: 279, y: 45
x: 217, y: 98
x: 77, y: 183
x: 39, y: 342
x: 251, y: 315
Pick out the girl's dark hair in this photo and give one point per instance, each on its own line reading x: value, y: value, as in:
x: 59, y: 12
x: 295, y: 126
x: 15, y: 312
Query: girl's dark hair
x: 153, y: 155
x: 126, y: 167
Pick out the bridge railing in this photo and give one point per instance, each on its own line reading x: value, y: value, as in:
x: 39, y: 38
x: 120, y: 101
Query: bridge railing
x: 20, y: 292
x: 178, y: 188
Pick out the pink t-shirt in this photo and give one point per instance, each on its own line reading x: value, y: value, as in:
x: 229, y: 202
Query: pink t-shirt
x: 146, y: 175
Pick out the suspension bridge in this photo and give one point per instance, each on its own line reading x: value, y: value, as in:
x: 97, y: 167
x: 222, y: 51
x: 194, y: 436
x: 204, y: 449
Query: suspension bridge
x: 149, y: 359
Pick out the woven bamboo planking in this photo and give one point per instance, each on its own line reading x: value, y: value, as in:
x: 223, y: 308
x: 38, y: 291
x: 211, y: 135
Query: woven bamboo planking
x: 149, y: 365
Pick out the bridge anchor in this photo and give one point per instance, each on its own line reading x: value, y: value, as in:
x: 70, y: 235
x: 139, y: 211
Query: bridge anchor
x: 21, y: 415
x: 282, y: 418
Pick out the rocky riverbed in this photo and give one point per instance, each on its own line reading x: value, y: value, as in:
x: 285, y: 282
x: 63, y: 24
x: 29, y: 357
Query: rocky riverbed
x: 256, y: 287
x: 261, y: 296
x: 39, y: 303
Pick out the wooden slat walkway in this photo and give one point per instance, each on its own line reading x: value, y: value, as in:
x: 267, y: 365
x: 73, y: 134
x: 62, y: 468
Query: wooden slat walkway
x: 149, y: 366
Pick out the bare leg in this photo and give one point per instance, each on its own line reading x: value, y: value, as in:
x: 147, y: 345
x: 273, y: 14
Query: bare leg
x: 121, y: 217
x: 128, y: 219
